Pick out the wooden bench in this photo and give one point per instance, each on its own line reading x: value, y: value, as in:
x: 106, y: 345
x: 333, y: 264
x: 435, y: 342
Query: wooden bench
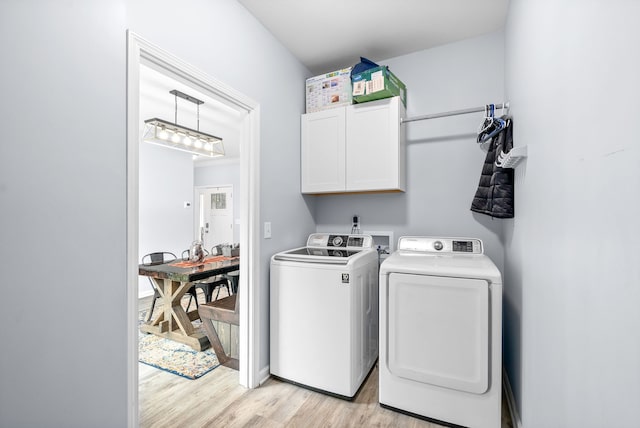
x: 224, y: 310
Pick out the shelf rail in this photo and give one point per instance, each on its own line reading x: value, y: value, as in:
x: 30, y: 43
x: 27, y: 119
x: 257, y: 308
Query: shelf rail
x: 452, y: 113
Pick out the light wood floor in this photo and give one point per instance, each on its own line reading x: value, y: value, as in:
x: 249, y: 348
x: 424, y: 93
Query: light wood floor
x: 216, y: 400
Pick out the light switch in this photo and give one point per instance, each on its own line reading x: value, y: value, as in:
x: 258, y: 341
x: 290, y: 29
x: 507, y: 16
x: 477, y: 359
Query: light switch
x: 267, y: 230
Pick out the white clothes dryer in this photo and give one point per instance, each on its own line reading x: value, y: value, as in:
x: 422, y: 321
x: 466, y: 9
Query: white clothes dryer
x: 441, y: 332
x: 324, y: 313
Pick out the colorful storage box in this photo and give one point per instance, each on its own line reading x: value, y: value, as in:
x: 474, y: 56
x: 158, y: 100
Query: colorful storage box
x: 329, y: 90
x: 377, y: 83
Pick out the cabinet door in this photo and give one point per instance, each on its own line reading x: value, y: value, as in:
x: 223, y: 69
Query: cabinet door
x: 323, y: 151
x: 375, y: 146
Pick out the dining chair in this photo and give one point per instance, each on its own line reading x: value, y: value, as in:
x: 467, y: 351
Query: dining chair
x: 233, y: 278
x: 217, y: 283
x: 186, y: 254
x: 155, y: 258
x: 207, y: 286
x: 221, y: 280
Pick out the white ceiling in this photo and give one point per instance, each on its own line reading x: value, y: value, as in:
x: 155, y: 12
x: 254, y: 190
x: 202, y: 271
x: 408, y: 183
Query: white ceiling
x: 327, y: 35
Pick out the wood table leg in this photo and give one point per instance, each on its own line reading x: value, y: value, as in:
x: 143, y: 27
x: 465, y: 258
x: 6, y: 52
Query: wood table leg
x: 174, y: 322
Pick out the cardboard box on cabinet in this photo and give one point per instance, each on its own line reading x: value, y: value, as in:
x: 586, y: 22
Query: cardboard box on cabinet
x: 329, y: 90
x: 377, y: 83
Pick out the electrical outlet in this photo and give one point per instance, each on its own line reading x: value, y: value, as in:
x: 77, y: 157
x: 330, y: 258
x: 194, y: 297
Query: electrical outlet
x: 355, y: 224
x: 267, y: 230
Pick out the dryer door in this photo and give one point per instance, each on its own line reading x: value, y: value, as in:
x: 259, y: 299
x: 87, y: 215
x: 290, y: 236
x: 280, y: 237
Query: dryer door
x: 438, y: 331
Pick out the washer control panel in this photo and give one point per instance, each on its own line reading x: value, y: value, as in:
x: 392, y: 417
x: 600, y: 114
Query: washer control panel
x: 428, y: 244
x: 335, y: 240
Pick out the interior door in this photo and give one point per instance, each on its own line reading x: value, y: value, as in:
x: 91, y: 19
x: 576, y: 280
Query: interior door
x: 216, y: 215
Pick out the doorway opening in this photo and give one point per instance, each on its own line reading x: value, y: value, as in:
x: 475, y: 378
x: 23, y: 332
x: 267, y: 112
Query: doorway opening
x: 214, y: 208
x: 141, y: 52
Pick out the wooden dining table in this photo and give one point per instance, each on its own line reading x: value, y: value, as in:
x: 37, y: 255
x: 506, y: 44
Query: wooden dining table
x: 173, y: 279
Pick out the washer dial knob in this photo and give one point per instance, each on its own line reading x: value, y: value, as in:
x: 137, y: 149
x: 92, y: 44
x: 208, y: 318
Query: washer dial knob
x: 337, y: 241
x: 438, y: 245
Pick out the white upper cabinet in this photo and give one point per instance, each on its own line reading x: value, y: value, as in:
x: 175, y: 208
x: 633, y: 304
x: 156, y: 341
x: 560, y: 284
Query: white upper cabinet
x: 357, y: 148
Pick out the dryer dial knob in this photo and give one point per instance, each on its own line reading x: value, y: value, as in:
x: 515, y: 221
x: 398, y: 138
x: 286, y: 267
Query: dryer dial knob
x: 438, y: 245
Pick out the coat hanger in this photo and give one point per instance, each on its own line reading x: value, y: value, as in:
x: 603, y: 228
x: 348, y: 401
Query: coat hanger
x: 493, y: 127
x: 487, y: 121
x: 499, y: 125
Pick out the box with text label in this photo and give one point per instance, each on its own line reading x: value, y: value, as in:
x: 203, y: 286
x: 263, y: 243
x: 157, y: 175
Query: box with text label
x: 329, y: 90
x: 377, y: 83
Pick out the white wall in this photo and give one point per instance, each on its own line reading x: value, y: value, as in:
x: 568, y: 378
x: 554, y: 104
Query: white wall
x: 572, y: 348
x: 221, y: 174
x: 63, y: 228
x: 165, y: 183
x: 443, y: 160
x: 63, y: 186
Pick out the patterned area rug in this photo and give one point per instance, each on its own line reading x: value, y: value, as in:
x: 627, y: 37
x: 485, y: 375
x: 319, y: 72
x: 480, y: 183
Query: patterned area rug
x: 174, y: 357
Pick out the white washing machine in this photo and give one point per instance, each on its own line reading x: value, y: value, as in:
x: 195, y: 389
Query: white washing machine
x: 441, y: 332
x: 324, y: 313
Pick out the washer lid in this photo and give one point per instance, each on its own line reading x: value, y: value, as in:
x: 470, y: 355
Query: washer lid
x: 333, y: 256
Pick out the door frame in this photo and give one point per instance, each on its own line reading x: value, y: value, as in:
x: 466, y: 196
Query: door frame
x: 138, y: 51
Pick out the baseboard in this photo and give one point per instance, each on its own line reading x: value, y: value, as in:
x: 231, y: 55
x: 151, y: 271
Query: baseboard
x: 511, y: 401
x: 264, y: 375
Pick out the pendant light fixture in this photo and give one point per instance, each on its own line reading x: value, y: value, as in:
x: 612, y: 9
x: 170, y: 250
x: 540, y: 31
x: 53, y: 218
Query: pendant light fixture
x: 164, y: 133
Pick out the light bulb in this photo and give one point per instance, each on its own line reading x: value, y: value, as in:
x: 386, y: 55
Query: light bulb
x: 175, y: 138
x: 208, y: 147
x: 186, y: 141
x: 163, y: 135
x: 198, y: 144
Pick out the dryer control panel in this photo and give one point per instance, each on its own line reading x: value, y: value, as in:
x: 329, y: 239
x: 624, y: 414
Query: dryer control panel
x: 429, y: 244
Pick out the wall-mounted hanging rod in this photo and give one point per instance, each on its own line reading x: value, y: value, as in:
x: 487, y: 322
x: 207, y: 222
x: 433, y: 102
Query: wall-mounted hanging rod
x: 451, y: 113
